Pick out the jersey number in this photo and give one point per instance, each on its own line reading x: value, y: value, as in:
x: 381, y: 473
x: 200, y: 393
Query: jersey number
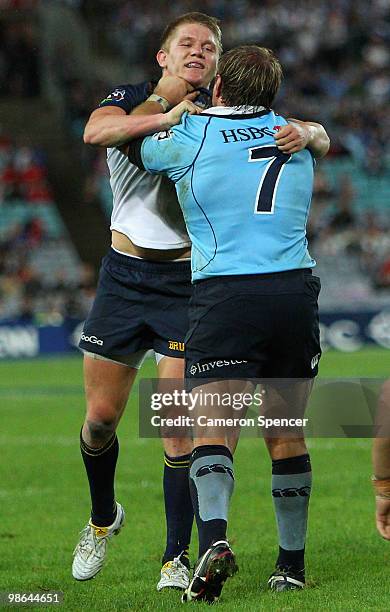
x: 266, y: 192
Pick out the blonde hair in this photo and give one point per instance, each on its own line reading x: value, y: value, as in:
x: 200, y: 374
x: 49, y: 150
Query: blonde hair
x: 202, y: 19
x: 250, y: 75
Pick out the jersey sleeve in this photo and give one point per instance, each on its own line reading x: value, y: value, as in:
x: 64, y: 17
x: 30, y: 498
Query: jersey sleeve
x: 173, y: 152
x: 127, y: 97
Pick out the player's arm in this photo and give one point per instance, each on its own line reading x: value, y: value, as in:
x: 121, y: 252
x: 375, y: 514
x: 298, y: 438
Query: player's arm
x: 381, y: 459
x: 110, y: 126
x: 172, y: 118
x: 169, y: 92
x: 298, y: 135
x: 169, y: 153
x: 381, y: 482
x: 381, y: 463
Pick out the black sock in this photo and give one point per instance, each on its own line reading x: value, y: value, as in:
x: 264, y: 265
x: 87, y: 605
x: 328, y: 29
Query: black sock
x: 100, y: 464
x: 178, y: 507
x: 211, y: 486
x: 291, y: 487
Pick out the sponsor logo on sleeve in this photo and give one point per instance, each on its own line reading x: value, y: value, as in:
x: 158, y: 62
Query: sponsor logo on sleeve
x: 116, y: 96
x: 163, y: 135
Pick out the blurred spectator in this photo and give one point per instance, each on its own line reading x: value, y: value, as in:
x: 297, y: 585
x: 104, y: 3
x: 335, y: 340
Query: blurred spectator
x: 19, y: 59
x: 383, y: 276
x: 39, y: 282
x: 23, y: 174
x: 344, y: 217
x: 18, y: 4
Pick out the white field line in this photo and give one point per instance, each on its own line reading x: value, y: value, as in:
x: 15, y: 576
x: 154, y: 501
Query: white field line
x: 69, y: 441
x: 50, y: 491
x: 63, y: 441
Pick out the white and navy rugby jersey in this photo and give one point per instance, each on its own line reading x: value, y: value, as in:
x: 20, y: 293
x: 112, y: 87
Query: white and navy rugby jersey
x: 145, y: 207
x: 245, y: 203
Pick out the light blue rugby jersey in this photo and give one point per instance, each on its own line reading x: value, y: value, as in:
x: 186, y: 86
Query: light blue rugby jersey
x: 245, y: 203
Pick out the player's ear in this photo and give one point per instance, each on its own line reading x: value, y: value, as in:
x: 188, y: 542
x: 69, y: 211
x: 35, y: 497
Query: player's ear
x: 162, y: 58
x: 217, y: 89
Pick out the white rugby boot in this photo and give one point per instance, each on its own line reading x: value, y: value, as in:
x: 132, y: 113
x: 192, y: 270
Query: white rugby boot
x: 90, y: 552
x: 174, y: 575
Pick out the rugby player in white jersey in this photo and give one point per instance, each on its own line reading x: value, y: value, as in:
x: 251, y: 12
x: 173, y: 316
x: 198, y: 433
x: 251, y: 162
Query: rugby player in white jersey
x: 144, y: 287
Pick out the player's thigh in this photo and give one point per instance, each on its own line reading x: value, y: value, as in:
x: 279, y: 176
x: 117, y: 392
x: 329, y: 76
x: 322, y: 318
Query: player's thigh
x: 295, y: 350
x: 220, y: 344
x: 107, y: 387
x: 167, y: 313
x: 219, y: 408
x: 171, y: 368
x: 382, y: 419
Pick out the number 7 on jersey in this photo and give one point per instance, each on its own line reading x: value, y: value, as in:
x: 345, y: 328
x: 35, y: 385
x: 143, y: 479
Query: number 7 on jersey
x: 266, y: 192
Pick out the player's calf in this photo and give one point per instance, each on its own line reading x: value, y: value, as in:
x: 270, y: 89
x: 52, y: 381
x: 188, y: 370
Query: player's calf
x: 291, y: 488
x: 179, y: 517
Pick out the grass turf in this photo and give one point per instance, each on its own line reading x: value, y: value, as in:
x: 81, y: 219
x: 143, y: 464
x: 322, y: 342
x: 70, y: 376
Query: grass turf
x: 44, y: 502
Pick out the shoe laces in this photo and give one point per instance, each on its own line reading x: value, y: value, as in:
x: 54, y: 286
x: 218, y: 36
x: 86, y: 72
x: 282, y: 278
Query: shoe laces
x: 90, y: 544
x: 177, y: 565
x: 289, y: 573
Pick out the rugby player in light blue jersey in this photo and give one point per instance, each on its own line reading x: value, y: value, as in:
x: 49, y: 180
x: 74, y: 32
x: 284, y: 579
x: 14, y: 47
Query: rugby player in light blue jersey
x: 245, y: 196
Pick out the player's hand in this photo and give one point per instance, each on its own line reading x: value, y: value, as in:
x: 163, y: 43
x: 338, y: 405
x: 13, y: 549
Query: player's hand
x: 293, y: 137
x: 382, y: 516
x: 175, y: 89
x: 173, y: 117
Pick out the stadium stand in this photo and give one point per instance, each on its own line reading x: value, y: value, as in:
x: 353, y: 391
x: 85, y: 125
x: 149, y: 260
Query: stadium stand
x: 349, y: 230
x: 109, y: 42
x: 40, y: 268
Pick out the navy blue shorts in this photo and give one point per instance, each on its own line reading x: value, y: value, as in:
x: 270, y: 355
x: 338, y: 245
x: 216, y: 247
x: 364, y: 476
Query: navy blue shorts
x: 254, y: 326
x: 139, y: 305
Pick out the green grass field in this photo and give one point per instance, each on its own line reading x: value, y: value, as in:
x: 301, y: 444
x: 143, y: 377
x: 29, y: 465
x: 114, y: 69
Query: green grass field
x: 44, y: 503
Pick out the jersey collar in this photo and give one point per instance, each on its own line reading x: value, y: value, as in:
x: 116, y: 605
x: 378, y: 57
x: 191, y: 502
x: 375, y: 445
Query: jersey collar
x: 236, y: 112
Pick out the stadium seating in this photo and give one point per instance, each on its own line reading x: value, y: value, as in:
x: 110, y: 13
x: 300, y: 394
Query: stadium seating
x: 20, y: 212
x: 351, y: 75
x: 371, y: 191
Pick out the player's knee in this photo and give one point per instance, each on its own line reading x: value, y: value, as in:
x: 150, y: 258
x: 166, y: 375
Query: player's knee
x: 273, y: 444
x: 99, y: 432
x: 282, y: 448
x: 176, y: 447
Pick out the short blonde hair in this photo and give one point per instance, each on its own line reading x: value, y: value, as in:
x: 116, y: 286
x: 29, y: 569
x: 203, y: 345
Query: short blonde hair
x: 202, y: 19
x: 250, y: 75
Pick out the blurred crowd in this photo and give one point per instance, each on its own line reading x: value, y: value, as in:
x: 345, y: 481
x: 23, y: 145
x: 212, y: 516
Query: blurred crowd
x: 23, y: 174
x: 336, y: 60
x: 18, y: 4
x: 19, y: 58
x: 39, y: 282
x: 335, y: 54
x: 26, y: 295
x: 340, y: 234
